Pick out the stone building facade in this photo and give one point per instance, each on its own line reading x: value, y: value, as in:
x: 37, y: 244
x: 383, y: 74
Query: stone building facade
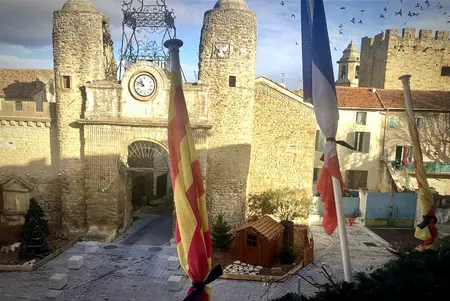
x: 388, y: 56
x: 87, y: 154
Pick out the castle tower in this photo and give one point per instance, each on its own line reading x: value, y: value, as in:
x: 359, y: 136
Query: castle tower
x: 78, y: 51
x: 228, y: 67
x: 348, y: 74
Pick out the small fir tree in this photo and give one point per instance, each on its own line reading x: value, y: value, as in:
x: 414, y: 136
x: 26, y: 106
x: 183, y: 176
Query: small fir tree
x: 220, y: 233
x: 34, y: 233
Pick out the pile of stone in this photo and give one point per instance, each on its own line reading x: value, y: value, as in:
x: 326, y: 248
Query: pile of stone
x: 10, y: 248
x: 241, y: 268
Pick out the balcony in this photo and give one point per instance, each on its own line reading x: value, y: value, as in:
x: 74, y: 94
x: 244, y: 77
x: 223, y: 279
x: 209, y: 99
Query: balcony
x: 430, y: 167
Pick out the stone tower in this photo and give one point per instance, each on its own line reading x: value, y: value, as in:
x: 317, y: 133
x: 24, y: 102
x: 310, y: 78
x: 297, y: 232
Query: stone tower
x: 387, y: 56
x: 79, y: 57
x: 228, y: 67
x: 348, y: 74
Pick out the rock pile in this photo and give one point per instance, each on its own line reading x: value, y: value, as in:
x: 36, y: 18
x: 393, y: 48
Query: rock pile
x: 241, y: 268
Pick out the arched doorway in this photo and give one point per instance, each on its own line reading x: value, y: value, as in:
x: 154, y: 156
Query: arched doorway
x: 147, y: 166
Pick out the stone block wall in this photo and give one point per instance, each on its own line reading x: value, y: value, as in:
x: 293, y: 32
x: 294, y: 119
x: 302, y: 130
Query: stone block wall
x: 389, y: 56
x: 27, y: 145
x: 283, y: 140
x: 228, y: 67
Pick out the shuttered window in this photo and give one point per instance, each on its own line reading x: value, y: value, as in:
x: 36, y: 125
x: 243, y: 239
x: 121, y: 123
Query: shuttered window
x: 362, y: 142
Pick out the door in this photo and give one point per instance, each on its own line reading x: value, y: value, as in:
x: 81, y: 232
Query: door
x: 253, y: 249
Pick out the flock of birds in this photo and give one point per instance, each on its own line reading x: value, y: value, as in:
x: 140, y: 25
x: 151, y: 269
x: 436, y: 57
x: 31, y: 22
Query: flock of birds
x: 414, y: 13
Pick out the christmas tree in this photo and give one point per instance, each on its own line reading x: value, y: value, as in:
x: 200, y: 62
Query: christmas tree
x: 34, y: 233
x: 220, y: 233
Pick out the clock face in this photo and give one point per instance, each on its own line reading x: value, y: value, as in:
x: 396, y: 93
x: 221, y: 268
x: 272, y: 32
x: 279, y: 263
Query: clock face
x: 144, y: 85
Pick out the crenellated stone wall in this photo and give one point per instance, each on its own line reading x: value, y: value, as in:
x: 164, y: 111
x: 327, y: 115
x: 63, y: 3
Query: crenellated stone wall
x: 388, y: 56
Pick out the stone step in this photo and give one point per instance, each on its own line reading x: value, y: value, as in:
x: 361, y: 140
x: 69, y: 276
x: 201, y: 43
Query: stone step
x: 54, y: 295
x: 91, y: 247
x: 173, y: 263
x: 58, y: 282
x: 76, y: 262
x: 174, y: 283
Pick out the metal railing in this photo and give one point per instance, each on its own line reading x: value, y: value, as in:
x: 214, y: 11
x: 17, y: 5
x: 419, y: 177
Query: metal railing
x: 430, y: 167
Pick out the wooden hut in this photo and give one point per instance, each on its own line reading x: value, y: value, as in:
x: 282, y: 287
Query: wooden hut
x: 258, y: 243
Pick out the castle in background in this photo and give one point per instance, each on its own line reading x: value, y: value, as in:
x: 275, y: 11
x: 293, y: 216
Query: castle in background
x: 98, y: 152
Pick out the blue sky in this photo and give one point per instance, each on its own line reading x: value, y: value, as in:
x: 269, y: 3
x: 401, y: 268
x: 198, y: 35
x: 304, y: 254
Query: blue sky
x: 26, y: 28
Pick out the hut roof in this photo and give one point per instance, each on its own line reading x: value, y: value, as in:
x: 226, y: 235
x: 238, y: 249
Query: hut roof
x: 266, y: 226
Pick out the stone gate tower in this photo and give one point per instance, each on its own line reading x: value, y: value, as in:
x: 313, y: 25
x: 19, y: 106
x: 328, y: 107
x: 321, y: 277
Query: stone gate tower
x: 78, y: 48
x: 348, y: 74
x: 228, y: 66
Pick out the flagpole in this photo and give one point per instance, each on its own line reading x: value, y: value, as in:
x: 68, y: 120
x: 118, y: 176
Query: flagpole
x: 348, y: 277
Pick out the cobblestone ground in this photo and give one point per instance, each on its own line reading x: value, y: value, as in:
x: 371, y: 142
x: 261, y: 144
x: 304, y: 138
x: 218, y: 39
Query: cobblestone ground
x: 133, y: 272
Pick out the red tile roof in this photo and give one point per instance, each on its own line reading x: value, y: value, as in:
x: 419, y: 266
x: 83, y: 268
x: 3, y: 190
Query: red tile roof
x: 362, y: 98
x: 21, y: 83
x: 422, y: 100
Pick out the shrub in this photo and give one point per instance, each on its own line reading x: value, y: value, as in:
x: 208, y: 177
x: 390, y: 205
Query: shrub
x: 284, y: 203
x: 416, y: 277
x: 287, y: 254
x: 220, y: 233
x: 34, y: 233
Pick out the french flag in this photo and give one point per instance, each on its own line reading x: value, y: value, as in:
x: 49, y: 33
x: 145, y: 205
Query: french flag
x: 319, y: 88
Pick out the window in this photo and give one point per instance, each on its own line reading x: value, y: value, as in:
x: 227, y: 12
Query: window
x: 393, y: 122
x: 18, y: 105
x: 251, y: 240
x: 320, y: 141
x: 344, y: 72
x: 357, y: 179
x: 361, y: 118
x: 316, y: 174
x: 357, y: 72
x: 362, y: 142
x: 66, y: 82
x: 421, y: 123
x: 403, y: 156
x: 445, y: 71
x: 232, y: 81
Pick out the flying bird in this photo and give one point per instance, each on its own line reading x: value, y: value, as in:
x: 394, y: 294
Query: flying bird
x: 427, y: 3
x: 353, y: 20
x: 387, y: 3
x: 382, y: 17
x: 410, y: 14
x: 335, y: 49
x: 405, y: 23
x: 360, y: 22
x: 417, y: 5
x: 421, y: 7
x: 363, y: 11
x: 282, y: 3
x: 342, y: 7
x: 293, y: 16
x: 296, y: 43
x: 439, y: 5
x: 415, y: 14
x: 399, y: 13
x: 444, y: 13
x: 340, y: 25
x: 340, y: 32
x: 385, y: 9
x: 448, y: 21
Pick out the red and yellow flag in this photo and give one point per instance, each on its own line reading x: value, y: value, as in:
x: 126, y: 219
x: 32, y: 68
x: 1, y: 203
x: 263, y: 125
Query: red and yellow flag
x: 193, y: 237
x: 426, y: 230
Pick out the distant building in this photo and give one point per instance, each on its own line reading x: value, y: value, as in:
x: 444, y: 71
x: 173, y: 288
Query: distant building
x: 348, y: 74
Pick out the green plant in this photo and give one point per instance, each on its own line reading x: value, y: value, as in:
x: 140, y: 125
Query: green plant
x: 221, y: 233
x: 35, y: 232
x: 415, y: 277
x: 284, y: 203
x: 287, y: 254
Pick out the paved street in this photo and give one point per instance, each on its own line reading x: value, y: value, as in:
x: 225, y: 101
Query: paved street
x: 134, y: 273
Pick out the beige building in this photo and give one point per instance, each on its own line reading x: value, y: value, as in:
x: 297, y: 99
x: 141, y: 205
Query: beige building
x: 93, y: 149
x: 348, y: 73
x: 373, y: 121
